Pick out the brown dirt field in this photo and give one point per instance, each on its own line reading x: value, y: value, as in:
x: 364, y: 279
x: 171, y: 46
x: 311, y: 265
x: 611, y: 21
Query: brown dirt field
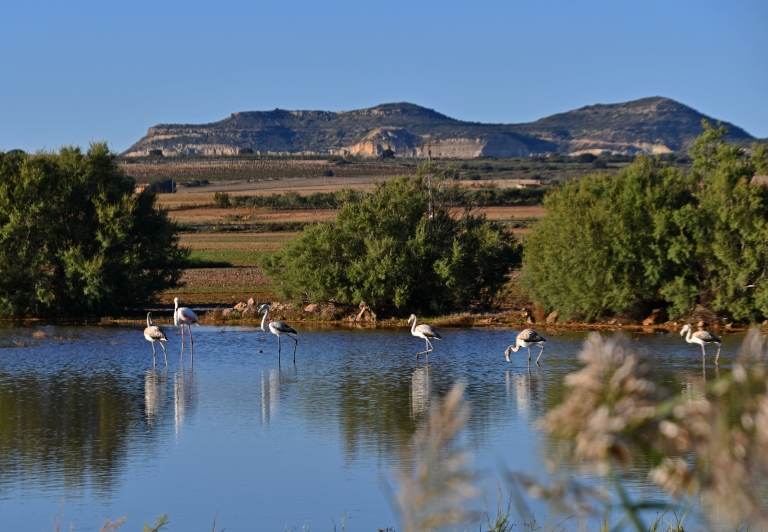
x: 505, y: 213
x: 237, y: 276
x: 255, y: 241
x: 260, y: 214
x: 212, y: 286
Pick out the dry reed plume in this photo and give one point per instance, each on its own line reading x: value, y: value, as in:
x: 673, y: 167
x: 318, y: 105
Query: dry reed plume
x: 435, y: 480
x: 711, y: 444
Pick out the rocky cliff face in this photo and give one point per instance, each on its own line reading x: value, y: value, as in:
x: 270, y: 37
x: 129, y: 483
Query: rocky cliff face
x: 650, y: 125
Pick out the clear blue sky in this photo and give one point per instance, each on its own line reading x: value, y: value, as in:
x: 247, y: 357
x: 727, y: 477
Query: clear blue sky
x: 78, y: 71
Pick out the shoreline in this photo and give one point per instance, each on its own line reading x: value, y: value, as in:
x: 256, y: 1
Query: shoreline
x: 464, y: 320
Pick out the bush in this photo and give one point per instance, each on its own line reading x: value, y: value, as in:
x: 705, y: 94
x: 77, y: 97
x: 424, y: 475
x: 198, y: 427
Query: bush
x: 164, y: 186
x: 653, y: 235
x: 221, y: 199
x: 383, y: 249
x: 75, y: 239
x: 586, y: 157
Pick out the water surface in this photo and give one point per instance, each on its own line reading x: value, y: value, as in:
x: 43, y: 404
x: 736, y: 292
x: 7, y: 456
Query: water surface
x: 85, y: 418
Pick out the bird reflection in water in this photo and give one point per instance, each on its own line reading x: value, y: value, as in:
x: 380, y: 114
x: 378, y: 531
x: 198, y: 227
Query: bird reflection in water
x: 184, y: 396
x: 154, y: 392
x: 420, y: 390
x: 524, y: 386
x: 270, y: 395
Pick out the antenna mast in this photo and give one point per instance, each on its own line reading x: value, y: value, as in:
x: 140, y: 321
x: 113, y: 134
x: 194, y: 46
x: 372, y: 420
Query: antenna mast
x: 431, y: 211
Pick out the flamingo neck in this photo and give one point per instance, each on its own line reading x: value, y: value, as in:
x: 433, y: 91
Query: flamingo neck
x: 516, y: 347
x: 689, y: 335
x: 264, y: 319
x: 149, y: 321
x: 413, y: 327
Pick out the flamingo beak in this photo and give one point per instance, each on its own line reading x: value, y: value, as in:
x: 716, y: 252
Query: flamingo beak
x: 506, y: 354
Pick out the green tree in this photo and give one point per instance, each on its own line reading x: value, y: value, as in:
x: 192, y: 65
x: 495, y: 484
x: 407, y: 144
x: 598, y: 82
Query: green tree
x: 655, y: 236
x: 727, y: 230
x: 385, y: 250
x: 221, y: 199
x: 603, y: 246
x: 75, y: 239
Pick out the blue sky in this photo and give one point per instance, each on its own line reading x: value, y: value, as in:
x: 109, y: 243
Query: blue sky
x: 85, y: 70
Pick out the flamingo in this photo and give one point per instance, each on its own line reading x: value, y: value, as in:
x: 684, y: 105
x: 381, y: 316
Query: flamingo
x: 278, y: 328
x: 153, y: 333
x: 527, y: 338
x: 184, y: 316
x: 423, y: 331
x: 702, y: 338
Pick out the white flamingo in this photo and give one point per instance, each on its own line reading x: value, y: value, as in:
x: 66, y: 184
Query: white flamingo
x: 527, y: 338
x: 153, y: 333
x: 423, y: 331
x: 278, y: 328
x: 184, y: 316
x: 702, y: 338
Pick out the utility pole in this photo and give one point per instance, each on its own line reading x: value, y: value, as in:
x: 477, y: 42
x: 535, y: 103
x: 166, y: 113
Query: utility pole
x: 431, y: 211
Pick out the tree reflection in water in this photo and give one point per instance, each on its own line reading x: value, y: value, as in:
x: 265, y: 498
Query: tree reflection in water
x: 67, y: 428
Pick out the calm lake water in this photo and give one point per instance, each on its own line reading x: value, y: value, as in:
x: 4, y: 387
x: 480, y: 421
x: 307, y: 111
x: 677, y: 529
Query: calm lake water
x: 85, y: 418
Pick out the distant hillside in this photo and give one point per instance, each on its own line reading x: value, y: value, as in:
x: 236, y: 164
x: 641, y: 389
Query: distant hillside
x: 651, y: 125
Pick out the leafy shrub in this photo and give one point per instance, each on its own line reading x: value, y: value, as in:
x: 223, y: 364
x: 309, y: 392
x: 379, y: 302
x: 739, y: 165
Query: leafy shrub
x: 586, y: 157
x: 383, y: 249
x: 221, y: 199
x: 653, y: 235
x: 75, y: 239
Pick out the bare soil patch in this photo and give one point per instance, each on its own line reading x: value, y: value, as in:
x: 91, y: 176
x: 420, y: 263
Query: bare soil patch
x: 245, y: 214
x: 237, y: 241
x: 227, y: 277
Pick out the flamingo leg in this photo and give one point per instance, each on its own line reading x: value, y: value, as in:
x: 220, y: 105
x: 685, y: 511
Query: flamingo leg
x: 718, y: 355
x: 153, y: 354
x: 191, y: 341
x: 278, y: 349
x: 164, y: 355
x: 703, y: 352
x: 540, y: 353
x: 529, y: 356
x: 182, y: 335
x: 295, y: 345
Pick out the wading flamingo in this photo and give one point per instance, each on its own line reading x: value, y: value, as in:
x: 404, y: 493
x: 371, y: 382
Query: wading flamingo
x: 278, y: 328
x: 184, y: 316
x: 153, y: 333
x: 702, y: 338
x: 527, y: 338
x: 423, y: 331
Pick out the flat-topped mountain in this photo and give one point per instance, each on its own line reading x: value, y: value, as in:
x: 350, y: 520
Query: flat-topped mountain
x: 650, y: 125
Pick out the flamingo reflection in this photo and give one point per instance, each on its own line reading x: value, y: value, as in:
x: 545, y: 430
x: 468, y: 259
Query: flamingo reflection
x: 154, y: 393
x: 270, y: 395
x: 184, y: 396
x: 420, y: 390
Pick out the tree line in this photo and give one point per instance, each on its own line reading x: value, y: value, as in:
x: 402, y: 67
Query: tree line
x: 75, y: 239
